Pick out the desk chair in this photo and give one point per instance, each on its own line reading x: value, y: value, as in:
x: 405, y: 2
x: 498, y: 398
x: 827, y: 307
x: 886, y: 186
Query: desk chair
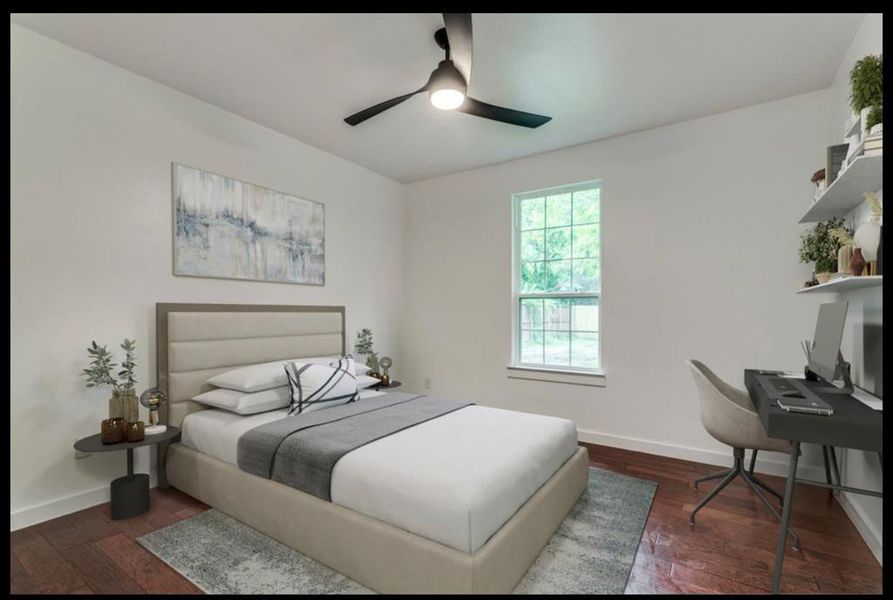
x: 728, y: 415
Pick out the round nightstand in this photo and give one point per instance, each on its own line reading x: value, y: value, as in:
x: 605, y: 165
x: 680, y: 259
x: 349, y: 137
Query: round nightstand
x: 130, y: 494
x: 394, y: 384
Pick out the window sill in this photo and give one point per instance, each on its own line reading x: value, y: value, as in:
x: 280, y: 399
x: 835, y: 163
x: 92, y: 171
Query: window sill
x: 586, y: 378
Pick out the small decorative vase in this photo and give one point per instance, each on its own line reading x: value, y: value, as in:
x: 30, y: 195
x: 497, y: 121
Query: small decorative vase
x: 136, y: 431
x: 857, y: 263
x: 130, y: 405
x: 116, y: 405
x: 823, y: 277
x: 114, y: 431
x: 844, y: 255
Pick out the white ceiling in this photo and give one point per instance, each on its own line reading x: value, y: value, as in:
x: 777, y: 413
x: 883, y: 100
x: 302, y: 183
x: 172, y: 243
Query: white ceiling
x: 596, y: 75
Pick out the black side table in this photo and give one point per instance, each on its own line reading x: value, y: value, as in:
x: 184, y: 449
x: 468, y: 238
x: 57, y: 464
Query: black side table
x: 130, y: 494
x: 394, y: 384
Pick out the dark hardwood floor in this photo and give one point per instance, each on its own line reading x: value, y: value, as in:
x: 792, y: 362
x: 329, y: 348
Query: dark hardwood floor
x: 730, y: 551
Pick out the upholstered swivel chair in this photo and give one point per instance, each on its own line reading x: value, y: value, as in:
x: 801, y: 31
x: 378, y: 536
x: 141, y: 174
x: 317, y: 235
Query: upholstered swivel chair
x: 728, y: 415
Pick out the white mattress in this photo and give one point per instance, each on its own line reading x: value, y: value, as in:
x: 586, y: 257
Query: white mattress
x: 455, y: 479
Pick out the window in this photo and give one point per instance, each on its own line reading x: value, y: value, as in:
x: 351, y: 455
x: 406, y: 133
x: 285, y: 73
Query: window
x: 557, y: 278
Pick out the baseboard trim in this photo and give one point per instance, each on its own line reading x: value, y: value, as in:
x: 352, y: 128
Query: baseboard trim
x: 25, y: 517
x: 721, y: 459
x: 873, y: 538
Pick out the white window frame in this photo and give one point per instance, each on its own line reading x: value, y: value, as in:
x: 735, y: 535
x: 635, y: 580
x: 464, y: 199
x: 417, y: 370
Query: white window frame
x: 560, y: 374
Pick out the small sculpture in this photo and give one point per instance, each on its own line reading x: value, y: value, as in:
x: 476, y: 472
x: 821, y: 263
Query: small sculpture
x: 385, y: 363
x: 153, y: 399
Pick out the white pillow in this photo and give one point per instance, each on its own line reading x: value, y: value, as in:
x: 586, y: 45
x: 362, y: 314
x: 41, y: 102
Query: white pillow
x: 246, y: 404
x: 360, y: 368
x: 317, y: 386
x: 264, y: 376
x: 364, y: 381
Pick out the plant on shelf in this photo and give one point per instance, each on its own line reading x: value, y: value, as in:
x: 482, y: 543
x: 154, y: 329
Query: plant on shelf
x: 867, y: 83
x: 123, y: 402
x: 819, y: 246
x: 363, y: 347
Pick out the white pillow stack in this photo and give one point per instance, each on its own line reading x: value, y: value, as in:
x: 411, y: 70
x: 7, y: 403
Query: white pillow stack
x: 264, y: 387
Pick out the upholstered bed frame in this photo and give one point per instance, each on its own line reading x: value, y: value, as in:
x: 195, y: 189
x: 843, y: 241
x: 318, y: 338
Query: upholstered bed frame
x: 196, y: 341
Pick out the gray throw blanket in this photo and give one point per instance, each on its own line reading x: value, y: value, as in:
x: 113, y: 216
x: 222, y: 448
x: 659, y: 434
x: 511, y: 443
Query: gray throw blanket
x: 301, y: 450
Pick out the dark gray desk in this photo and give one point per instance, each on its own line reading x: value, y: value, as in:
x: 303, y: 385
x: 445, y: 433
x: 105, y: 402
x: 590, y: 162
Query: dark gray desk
x: 853, y: 425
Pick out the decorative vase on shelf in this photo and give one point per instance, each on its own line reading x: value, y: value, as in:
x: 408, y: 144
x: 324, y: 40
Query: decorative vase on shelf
x: 857, y: 263
x: 844, y: 255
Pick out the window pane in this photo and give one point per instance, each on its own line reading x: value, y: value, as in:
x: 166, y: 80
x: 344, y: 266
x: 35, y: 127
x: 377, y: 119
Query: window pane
x: 532, y: 347
x: 533, y: 213
x: 531, y: 313
x: 557, y: 314
x: 558, y: 210
x: 558, y: 243
x: 586, y: 206
x: 532, y: 277
x: 586, y: 239
x: 584, y: 314
x: 532, y: 245
x: 558, y: 276
x: 584, y: 350
x: 557, y: 348
x: 587, y: 277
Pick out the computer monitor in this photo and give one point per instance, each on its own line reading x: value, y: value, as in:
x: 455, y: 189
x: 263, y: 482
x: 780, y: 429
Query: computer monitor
x: 823, y: 358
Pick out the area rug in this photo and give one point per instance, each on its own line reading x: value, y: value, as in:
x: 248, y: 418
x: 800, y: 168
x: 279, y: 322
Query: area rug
x: 591, y: 553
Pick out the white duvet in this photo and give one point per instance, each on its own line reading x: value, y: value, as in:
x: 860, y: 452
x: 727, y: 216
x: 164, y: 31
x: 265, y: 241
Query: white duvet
x: 455, y: 479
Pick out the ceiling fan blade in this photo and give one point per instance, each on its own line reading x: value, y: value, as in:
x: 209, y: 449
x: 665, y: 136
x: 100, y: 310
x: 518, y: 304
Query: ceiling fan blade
x: 505, y: 115
x: 458, y: 27
x: 368, y: 113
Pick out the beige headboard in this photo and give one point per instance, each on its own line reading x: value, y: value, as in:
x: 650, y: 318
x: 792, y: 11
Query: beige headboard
x: 197, y: 341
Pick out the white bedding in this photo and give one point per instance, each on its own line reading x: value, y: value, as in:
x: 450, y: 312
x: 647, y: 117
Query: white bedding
x: 455, y: 479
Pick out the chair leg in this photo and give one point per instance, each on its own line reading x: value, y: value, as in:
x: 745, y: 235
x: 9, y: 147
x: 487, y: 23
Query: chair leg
x: 754, y: 486
x: 763, y: 485
x: 732, y: 473
x: 753, y: 461
x: 716, y: 475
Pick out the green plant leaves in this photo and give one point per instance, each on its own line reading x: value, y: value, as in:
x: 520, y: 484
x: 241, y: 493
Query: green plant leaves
x: 867, y: 83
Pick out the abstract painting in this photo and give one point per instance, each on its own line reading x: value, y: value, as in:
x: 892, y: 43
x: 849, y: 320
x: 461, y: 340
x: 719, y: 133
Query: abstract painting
x: 237, y: 230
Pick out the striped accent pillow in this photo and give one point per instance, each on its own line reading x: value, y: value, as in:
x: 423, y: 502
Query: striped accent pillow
x: 316, y: 386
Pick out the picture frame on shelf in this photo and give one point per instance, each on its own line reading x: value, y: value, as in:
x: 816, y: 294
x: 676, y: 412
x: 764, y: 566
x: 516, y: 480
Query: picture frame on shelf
x: 836, y: 157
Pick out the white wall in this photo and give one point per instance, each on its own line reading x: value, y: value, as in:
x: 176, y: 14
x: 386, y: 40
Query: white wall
x: 700, y: 241
x: 92, y: 146
x: 862, y: 344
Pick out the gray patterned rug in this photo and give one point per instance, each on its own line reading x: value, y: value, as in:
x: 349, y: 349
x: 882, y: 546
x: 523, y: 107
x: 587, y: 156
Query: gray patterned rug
x: 591, y: 553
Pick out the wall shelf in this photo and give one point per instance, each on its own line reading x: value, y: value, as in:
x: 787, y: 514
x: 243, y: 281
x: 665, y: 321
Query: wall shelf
x: 865, y: 174
x: 846, y: 284
x: 854, y: 128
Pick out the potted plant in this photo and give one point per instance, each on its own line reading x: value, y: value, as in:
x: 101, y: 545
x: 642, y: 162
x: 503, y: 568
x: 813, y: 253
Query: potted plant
x: 819, y: 247
x: 867, y: 90
x: 123, y: 403
x: 363, y: 347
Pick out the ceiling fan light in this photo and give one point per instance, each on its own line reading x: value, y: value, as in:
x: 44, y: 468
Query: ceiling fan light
x: 447, y: 98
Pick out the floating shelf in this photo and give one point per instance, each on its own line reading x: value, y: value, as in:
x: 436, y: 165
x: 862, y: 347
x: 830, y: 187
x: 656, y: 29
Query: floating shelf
x: 846, y: 284
x: 865, y: 174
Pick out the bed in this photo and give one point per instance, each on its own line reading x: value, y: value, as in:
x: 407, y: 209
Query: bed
x: 412, y: 512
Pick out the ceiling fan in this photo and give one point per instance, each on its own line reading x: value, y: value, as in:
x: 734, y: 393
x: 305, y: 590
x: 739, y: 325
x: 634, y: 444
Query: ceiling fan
x: 448, y: 82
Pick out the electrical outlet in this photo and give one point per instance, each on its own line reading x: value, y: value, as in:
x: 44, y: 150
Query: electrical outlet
x: 79, y: 455
x: 427, y: 383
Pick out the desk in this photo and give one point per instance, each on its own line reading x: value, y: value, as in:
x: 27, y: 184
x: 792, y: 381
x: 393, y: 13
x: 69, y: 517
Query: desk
x: 853, y: 425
